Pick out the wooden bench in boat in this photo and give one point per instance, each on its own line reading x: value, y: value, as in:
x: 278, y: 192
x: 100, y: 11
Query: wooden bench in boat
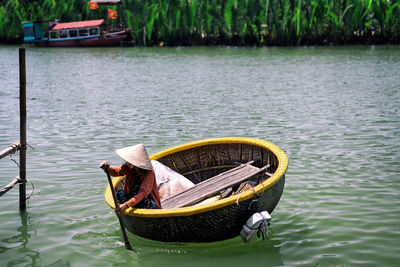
x: 212, y: 186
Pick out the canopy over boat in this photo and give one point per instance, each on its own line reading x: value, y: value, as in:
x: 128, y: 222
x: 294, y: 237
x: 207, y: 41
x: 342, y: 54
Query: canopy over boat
x: 205, y: 160
x: 78, y: 24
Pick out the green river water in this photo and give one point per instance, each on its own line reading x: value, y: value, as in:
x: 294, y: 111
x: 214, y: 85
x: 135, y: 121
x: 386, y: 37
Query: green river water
x: 333, y: 110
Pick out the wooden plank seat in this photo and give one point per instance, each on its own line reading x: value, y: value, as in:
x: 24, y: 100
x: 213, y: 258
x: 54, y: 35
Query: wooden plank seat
x: 212, y: 186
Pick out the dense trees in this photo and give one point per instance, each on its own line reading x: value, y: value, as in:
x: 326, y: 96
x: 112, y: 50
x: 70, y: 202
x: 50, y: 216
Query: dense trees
x: 235, y: 22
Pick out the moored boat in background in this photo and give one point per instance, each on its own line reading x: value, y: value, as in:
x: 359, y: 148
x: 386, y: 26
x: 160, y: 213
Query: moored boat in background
x: 78, y: 33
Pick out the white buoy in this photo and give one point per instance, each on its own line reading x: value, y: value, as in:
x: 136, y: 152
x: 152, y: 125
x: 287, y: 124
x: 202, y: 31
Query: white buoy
x: 257, y: 224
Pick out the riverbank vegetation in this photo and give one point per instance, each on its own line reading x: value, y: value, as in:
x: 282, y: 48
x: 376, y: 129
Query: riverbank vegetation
x: 226, y: 22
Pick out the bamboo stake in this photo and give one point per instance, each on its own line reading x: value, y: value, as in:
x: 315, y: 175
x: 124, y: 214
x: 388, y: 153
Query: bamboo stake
x: 22, y: 110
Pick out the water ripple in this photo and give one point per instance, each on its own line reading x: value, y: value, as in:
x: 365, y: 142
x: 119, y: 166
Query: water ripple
x: 333, y: 110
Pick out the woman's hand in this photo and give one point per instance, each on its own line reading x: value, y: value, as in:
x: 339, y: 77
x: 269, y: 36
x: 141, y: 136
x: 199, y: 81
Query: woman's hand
x: 104, y: 165
x: 121, y: 208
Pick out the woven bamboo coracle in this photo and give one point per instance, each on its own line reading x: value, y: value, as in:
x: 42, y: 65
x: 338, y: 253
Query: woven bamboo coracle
x: 221, y: 219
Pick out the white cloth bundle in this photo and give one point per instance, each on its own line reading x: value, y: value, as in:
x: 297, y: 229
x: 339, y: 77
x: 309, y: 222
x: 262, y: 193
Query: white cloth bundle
x: 169, y: 182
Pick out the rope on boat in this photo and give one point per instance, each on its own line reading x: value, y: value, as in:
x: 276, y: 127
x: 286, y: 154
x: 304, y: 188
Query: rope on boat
x: 257, y: 196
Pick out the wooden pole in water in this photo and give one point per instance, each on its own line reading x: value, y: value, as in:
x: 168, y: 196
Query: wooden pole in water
x: 121, y: 222
x: 22, y: 129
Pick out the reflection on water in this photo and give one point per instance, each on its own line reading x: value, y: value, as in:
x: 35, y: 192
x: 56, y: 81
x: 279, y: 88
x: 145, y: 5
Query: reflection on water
x: 20, y: 242
x: 334, y: 110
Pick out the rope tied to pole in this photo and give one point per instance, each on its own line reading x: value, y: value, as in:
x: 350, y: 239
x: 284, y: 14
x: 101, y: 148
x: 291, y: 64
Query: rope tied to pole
x: 11, y: 149
x: 14, y: 182
x: 13, y: 160
x: 15, y: 148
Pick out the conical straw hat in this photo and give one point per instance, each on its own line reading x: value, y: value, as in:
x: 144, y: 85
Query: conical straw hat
x: 136, y: 155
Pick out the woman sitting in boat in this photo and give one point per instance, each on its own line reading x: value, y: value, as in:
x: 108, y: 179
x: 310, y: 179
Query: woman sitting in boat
x: 140, y: 189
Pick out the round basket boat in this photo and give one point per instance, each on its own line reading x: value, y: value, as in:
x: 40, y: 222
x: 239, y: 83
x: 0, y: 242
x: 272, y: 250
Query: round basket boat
x: 221, y: 219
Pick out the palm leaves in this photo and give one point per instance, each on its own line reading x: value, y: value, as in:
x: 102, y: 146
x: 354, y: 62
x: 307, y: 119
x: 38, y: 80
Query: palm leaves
x: 176, y: 22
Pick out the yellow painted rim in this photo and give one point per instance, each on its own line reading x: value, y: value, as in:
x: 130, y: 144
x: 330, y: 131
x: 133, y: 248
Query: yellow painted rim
x: 186, y: 211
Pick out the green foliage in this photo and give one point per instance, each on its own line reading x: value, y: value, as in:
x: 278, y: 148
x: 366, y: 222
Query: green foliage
x: 242, y: 22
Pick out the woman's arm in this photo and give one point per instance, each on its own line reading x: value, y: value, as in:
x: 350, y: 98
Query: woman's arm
x: 145, y: 189
x: 117, y: 171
